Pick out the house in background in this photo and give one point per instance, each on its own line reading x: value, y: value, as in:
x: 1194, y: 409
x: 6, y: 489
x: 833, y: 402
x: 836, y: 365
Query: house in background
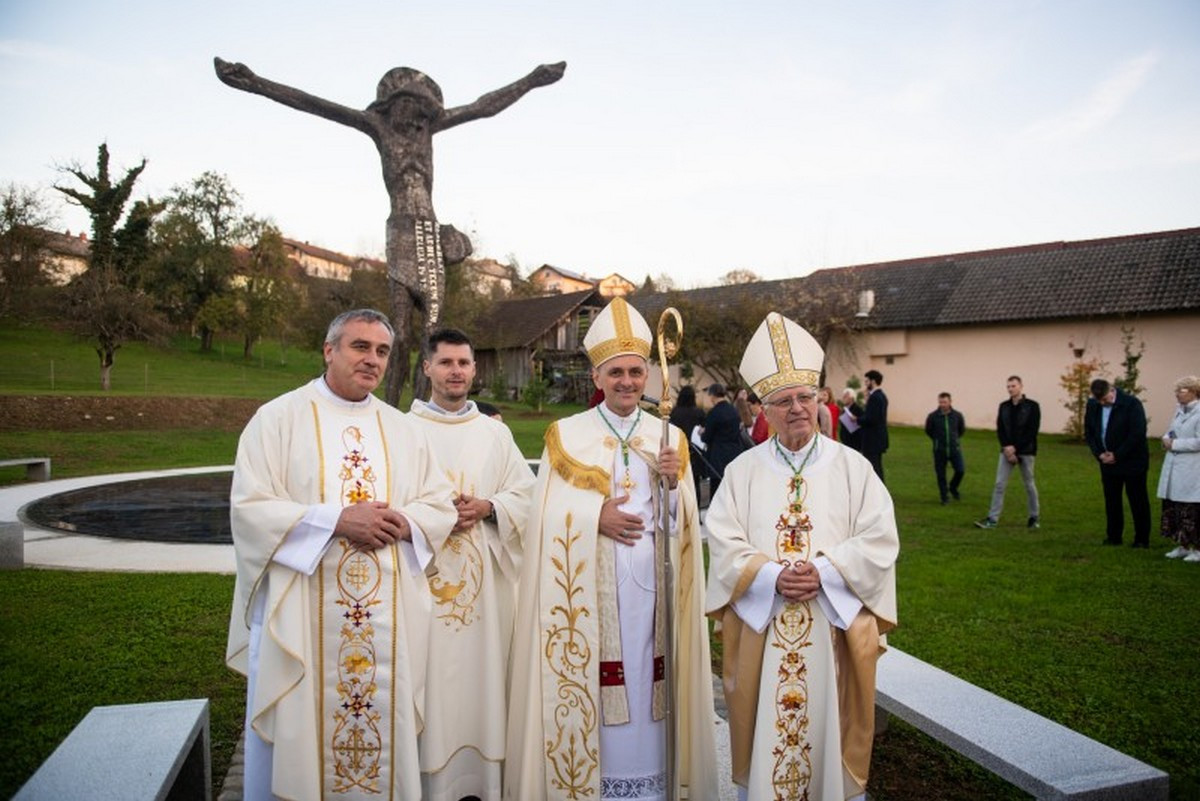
x: 319, y: 262
x: 615, y: 285
x: 65, y: 256
x: 487, y: 276
x: 549, y: 278
x: 547, y: 332
x: 963, y: 323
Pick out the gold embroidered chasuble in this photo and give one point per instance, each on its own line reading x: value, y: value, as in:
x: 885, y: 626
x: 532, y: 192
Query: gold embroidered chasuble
x: 556, y: 706
x: 474, y: 597
x: 338, y: 691
x: 801, y: 694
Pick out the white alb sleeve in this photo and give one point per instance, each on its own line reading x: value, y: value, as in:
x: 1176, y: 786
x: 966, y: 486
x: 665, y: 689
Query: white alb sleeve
x: 838, y: 603
x: 304, y: 546
x: 760, y: 603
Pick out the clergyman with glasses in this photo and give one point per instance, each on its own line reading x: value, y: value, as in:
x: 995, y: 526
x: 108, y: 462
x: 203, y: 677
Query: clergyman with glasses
x: 803, y: 546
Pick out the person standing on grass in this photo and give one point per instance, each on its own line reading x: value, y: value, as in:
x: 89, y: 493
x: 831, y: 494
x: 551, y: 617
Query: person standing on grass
x: 872, y: 423
x: 588, y: 704
x: 1017, y: 423
x: 803, y: 546
x: 337, y: 506
x: 474, y: 589
x: 945, y: 426
x: 1179, y: 483
x: 1114, y: 426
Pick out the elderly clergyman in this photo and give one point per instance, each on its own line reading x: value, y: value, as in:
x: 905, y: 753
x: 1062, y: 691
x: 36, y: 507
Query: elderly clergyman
x: 587, y: 715
x: 337, y: 506
x: 803, y: 545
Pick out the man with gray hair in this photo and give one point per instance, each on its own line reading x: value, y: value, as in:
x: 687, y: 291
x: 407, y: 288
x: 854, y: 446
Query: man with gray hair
x: 337, y: 506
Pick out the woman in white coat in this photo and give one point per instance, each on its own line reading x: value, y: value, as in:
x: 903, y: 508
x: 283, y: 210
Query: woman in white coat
x: 1179, y: 484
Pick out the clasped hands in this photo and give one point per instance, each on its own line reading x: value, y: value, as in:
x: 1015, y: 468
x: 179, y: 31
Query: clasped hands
x: 470, y: 510
x: 798, y: 581
x: 372, y: 524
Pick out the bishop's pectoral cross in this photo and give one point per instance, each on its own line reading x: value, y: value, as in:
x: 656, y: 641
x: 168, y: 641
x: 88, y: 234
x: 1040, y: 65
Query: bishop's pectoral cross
x: 795, y: 523
x: 627, y: 482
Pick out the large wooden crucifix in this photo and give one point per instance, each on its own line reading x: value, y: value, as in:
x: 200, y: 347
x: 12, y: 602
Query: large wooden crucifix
x: 408, y: 110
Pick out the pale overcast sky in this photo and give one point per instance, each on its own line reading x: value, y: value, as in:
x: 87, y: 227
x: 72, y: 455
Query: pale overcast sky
x: 686, y: 138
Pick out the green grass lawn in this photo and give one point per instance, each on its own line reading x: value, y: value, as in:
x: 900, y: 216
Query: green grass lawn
x: 41, y: 361
x: 1094, y: 638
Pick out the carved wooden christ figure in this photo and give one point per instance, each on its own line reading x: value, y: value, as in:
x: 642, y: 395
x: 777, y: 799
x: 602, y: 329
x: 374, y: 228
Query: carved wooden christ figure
x: 407, y: 112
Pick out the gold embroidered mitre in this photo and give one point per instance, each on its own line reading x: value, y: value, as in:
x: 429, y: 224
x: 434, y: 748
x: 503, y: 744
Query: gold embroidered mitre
x: 617, y: 331
x: 781, y: 354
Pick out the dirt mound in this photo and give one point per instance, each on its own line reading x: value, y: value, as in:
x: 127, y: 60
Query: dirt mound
x: 120, y: 413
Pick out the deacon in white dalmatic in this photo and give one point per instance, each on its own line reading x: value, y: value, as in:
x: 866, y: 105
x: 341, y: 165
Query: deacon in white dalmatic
x: 474, y: 587
x: 803, y: 545
x: 337, y: 507
x: 587, y: 714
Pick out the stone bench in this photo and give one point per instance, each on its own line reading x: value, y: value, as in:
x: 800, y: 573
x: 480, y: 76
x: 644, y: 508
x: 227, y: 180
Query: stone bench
x: 1041, y: 757
x: 37, y: 468
x: 154, y: 751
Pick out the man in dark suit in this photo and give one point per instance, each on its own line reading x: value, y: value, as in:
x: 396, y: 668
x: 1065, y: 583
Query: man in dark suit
x: 872, y: 423
x: 1115, y: 428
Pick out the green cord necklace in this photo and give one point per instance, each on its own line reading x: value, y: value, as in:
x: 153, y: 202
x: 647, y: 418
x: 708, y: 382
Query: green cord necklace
x: 796, y: 521
x: 628, y: 482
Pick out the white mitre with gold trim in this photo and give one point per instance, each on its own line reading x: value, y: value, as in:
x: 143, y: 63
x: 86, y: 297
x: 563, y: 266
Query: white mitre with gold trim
x: 781, y: 354
x: 617, y: 331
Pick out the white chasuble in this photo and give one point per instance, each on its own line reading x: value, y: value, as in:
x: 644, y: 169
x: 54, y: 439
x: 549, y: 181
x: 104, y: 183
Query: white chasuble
x: 801, y: 692
x: 336, y: 686
x: 474, y: 599
x: 583, y: 721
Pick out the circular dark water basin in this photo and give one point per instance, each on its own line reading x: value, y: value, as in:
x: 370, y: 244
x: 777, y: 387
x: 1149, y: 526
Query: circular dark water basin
x: 190, y: 508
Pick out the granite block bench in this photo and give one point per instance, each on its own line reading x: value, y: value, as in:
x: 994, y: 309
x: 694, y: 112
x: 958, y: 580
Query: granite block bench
x: 1041, y: 757
x: 37, y: 468
x: 149, y: 752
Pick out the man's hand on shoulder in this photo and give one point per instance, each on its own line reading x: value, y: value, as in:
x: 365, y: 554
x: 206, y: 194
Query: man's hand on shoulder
x: 372, y: 524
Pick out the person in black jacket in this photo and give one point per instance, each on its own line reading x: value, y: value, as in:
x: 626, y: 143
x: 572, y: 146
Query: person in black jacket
x: 722, y: 433
x: 685, y: 416
x: 872, y: 423
x: 1115, y: 428
x: 1017, y: 424
x: 945, y: 426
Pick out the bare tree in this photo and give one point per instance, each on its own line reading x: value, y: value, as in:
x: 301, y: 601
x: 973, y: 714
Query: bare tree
x: 740, y: 276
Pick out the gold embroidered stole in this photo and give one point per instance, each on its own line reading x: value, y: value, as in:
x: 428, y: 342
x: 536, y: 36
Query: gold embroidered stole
x: 357, y: 624
x: 614, y: 699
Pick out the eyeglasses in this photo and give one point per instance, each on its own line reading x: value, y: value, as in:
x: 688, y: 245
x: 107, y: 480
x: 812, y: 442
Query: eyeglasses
x: 783, y: 404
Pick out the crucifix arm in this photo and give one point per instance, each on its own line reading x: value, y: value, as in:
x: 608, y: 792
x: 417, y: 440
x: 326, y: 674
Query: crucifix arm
x: 239, y: 76
x: 494, y: 102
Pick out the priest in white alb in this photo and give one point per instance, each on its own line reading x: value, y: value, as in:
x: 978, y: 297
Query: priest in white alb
x: 337, y: 507
x: 475, y: 585
x: 588, y: 707
x: 803, y: 545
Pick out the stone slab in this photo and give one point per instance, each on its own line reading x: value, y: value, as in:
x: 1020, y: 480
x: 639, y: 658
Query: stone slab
x: 12, y: 545
x: 37, y: 468
x: 1043, y: 758
x: 151, y: 751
